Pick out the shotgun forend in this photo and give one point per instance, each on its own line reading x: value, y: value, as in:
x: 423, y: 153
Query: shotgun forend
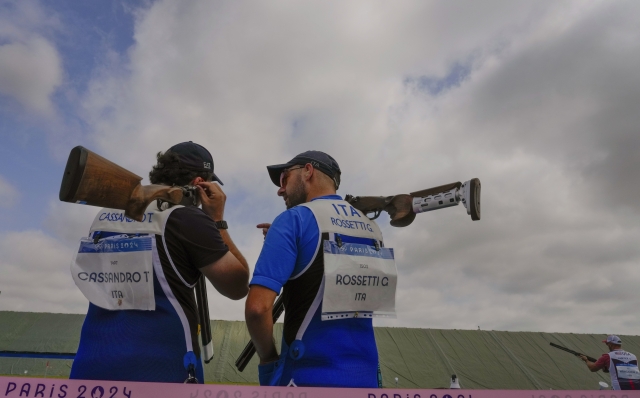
x: 93, y: 180
x: 403, y: 208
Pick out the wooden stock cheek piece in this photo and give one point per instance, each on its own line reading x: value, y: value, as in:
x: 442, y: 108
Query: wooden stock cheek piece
x: 400, y: 210
x: 93, y: 180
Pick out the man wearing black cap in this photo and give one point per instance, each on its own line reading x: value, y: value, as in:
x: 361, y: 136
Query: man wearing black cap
x: 622, y: 365
x: 319, y: 348
x: 144, y: 326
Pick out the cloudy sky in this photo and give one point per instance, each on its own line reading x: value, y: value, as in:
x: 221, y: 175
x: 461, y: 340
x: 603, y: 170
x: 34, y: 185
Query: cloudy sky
x: 539, y: 100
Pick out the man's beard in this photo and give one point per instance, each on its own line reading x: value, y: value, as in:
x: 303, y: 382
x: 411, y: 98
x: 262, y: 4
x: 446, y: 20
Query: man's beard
x: 298, y: 194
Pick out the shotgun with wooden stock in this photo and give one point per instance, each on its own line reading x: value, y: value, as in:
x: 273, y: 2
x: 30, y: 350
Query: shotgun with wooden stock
x: 403, y: 208
x: 93, y: 180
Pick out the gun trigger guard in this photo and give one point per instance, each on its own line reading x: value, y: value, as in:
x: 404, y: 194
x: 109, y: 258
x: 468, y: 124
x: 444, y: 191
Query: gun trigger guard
x: 376, y: 214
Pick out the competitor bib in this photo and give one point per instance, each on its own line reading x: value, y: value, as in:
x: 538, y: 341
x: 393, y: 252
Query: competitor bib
x: 628, y: 371
x: 116, y: 273
x: 360, y: 281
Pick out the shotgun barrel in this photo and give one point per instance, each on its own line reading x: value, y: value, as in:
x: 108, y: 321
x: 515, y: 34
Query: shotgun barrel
x: 250, y: 349
x: 576, y: 353
x: 205, y: 319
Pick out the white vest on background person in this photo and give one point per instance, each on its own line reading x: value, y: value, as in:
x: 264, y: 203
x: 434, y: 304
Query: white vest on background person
x: 623, y: 368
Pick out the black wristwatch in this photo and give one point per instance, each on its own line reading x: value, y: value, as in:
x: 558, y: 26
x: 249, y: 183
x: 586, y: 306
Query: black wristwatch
x: 222, y: 224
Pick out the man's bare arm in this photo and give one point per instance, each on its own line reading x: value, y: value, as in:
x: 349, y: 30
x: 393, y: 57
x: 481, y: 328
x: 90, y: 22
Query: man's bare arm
x: 233, y: 249
x: 258, y: 314
x: 591, y: 365
x: 230, y: 274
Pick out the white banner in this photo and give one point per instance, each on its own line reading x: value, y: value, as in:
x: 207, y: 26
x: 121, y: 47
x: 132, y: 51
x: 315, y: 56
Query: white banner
x: 116, y: 273
x: 360, y: 281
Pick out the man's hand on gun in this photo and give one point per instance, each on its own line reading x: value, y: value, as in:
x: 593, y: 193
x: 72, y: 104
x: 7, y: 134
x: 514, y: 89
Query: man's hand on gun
x: 212, y: 198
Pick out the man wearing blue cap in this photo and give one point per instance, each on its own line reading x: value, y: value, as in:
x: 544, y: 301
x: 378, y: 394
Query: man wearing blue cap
x: 319, y: 347
x: 622, y: 365
x: 139, y: 277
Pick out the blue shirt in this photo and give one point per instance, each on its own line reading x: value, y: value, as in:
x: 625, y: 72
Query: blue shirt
x: 339, y: 353
x: 290, y: 245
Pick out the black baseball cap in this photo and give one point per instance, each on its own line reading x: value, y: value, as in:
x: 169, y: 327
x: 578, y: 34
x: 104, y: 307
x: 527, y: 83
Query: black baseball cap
x: 319, y: 160
x: 194, y: 157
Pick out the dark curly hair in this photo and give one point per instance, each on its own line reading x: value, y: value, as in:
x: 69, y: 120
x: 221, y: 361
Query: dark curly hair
x: 168, y: 171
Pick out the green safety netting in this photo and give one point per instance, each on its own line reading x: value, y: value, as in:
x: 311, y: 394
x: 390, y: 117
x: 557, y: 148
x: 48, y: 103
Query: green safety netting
x: 419, y: 358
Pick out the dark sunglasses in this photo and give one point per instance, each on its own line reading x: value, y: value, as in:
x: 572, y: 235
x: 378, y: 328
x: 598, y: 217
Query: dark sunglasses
x: 285, y: 174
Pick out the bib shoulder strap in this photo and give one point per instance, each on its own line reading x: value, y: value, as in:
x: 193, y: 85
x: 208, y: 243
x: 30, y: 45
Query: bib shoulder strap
x: 114, y: 220
x: 338, y: 216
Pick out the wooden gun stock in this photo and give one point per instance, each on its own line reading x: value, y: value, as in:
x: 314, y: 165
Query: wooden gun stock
x: 403, y: 208
x: 93, y: 180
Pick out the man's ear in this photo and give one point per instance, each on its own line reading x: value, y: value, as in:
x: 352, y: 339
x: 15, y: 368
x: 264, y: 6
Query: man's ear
x: 308, y: 170
x: 197, y: 180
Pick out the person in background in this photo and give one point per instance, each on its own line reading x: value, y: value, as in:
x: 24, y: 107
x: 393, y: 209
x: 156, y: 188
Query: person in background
x: 622, y: 365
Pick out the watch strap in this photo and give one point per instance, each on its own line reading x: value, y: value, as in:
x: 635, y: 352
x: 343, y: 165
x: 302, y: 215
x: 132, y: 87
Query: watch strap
x: 221, y: 224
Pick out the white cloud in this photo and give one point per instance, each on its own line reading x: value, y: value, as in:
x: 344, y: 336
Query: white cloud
x: 30, y: 66
x: 9, y: 195
x: 30, y: 71
x: 35, y: 275
x: 545, y: 117
x: 68, y: 222
x: 35, y: 263
x: 258, y: 84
